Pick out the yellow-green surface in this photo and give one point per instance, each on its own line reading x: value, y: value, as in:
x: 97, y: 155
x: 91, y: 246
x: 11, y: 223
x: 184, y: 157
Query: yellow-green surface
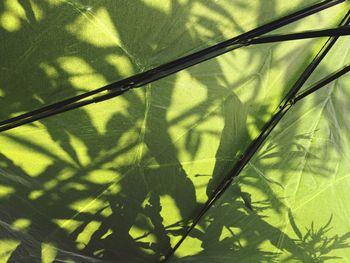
x: 297, y: 184
x: 119, y: 181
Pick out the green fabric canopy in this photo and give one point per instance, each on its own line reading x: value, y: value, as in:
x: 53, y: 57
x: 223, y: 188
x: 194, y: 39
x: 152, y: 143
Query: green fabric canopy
x: 123, y: 180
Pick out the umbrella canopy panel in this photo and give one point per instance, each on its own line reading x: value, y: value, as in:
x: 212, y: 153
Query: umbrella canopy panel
x: 295, y: 187
x: 121, y: 180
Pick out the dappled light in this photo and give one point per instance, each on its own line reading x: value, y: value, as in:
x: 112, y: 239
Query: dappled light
x: 123, y: 179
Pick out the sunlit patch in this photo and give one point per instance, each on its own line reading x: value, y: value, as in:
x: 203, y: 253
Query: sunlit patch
x: 38, y: 12
x: 89, y: 205
x: 183, y: 2
x: 87, y: 82
x: 121, y: 63
x: 190, y: 246
x: 48, y: 253
x: 85, y: 236
x: 49, y: 70
x: 6, y: 190
x: 15, y: 8
x: 253, y: 129
x: 125, y: 141
x: 55, y: 2
x: 65, y: 174
x: 10, y: 22
x: 138, y: 233
x: 36, y: 194
x: 243, y: 242
x: 181, y: 113
x: 107, y: 212
x: 98, y: 253
x: 113, y: 189
x: 38, y: 98
x: 200, y: 172
x: 81, y: 150
x: 143, y: 236
x: 170, y: 211
x: 21, y: 147
x: 95, y: 28
x: 161, y: 5
x: 198, y: 136
x: 225, y: 233
x: 75, y: 65
x: 77, y: 186
x: 107, y: 234
x: 102, y: 176
x: 50, y: 184
x: 69, y: 225
x: 195, y: 96
x: 12, y: 18
x: 101, y: 115
x: 21, y: 224
x: 222, y: 20
x: 81, y: 74
x: 6, y: 248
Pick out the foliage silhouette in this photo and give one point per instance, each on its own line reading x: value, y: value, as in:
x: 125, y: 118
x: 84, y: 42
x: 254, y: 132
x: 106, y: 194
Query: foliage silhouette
x: 317, y: 244
x: 109, y: 208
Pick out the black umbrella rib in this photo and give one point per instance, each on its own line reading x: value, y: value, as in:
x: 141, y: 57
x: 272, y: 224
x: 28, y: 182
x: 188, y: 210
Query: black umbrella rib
x: 329, y: 32
x: 254, y: 146
x: 61, y: 109
x: 45, y: 112
x: 323, y: 82
x: 141, y: 79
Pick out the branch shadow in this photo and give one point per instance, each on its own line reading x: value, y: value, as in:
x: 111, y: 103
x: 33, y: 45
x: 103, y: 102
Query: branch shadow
x: 102, y: 184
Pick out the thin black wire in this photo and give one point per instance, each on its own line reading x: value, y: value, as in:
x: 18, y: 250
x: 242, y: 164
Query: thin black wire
x: 329, y: 32
x: 283, y: 108
x: 60, y: 109
x: 323, y: 82
x: 141, y: 79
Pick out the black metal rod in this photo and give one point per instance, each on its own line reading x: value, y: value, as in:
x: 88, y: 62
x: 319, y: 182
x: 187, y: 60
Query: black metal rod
x: 254, y: 146
x: 320, y: 84
x: 330, y: 32
x: 57, y: 110
x: 167, y: 69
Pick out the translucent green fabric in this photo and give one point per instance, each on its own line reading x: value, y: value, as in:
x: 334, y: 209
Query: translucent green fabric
x: 120, y: 181
x: 297, y: 185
